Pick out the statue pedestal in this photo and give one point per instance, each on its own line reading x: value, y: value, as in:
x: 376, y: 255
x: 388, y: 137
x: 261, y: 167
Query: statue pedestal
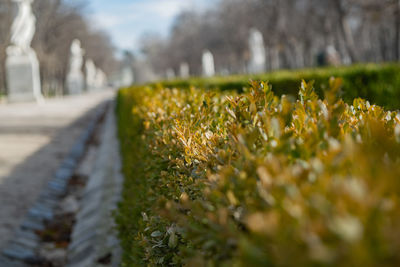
x: 256, y: 67
x: 23, y: 76
x: 75, y: 83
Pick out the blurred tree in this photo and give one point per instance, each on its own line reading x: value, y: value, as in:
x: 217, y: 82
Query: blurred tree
x: 295, y: 32
x: 57, y: 24
x: 6, y: 18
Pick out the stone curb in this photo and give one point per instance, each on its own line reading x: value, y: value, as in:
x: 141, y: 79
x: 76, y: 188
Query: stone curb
x: 94, y: 241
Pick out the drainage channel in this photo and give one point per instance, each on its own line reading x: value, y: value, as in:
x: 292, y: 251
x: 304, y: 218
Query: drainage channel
x: 71, y: 224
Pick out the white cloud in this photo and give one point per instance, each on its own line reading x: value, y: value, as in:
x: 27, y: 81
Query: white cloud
x: 165, y: 9
x: 107, y: 21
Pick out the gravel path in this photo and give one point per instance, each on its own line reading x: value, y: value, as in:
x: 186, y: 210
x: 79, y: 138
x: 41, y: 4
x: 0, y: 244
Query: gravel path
x: 33, y: 142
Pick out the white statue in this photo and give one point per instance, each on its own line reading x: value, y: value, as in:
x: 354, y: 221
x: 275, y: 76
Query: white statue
x: 257, y: 52
x: 170, y: 74
x: 184, y: 70
x: 208, y: 64
x: 75, y: 80
x: 76, y: 59
x: 100, y: 79
x: 90, y: 74
x: 23, y: 75
x: 23, y: 27
x: 127, y: 77
x: 332, y: 56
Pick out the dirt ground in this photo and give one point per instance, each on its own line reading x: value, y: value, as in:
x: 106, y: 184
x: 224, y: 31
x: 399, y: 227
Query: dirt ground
x: 34, y: 139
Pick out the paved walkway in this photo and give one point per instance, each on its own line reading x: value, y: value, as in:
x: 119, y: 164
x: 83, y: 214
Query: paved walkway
x: 33, y: 142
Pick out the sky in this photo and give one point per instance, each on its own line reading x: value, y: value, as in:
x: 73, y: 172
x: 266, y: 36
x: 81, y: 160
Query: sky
x: 127, y: 20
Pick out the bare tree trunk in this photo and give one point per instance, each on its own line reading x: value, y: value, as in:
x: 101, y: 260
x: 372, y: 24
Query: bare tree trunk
x: 6, y: 18
x: 3, y: 84
x: 346, y: 31
x: 274, y: 57
x: 2, y: 77
x: 397, y: 34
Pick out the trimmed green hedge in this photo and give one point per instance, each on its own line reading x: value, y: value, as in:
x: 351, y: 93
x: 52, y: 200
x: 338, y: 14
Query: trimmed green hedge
x: 252, y: 179
x: 378, y: 83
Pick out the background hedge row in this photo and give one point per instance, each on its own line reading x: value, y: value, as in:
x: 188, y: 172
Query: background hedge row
x: 377, y: 83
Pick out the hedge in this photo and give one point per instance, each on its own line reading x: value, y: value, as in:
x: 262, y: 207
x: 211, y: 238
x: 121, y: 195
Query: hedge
x: 253, y: 179
x: 378, y: 83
